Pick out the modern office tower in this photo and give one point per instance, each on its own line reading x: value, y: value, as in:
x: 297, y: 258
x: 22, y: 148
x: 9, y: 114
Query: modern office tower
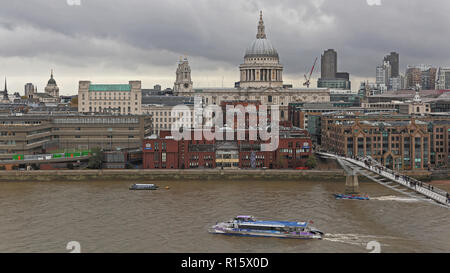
x: 383, y: 74
x: 397, y: 83
x: 429, y: 79
x: 394, y: 61
x: 443, y: 78
x: 329, y: 64
x: 413, y: 77
x: 330, y: 78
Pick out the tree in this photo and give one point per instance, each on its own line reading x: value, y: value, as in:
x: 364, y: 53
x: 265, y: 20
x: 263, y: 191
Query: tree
x: 280, y: 162
x: 96, y: 159
x: 311, y: 162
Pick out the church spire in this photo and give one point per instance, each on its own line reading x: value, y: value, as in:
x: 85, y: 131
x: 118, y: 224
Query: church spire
x: 5, y: 92
x: 261, y: 29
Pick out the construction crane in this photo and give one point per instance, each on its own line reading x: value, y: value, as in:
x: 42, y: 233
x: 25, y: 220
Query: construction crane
x: 308, y: 78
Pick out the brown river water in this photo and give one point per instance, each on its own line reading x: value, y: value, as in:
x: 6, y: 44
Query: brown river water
x: 107, y: 217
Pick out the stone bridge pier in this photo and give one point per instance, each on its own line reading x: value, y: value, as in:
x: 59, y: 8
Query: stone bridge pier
x: 351, y: 184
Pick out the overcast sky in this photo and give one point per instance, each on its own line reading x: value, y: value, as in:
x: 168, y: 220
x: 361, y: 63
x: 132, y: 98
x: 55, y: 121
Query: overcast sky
x: 111, y: 41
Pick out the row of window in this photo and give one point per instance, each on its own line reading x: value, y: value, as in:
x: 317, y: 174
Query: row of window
x: 103, y: 96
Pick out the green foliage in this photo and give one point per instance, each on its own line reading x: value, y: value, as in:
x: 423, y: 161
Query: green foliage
x: 96, y: 159
x: 311, y: 162
x: 280, y: 162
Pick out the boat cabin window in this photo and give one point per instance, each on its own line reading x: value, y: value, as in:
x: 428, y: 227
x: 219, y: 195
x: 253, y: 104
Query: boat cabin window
x: 244, y: 219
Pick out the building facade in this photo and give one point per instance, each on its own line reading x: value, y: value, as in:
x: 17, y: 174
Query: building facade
x: 308, y: 116
x: 24, y: 134
x: 35, y: 134
x: 383, y: 74
x: 422, y: 75
x: 163, y: 152
x: 400, y: 142
x: 183, y: 83
x: 443, y: 78
x: 122, y: 99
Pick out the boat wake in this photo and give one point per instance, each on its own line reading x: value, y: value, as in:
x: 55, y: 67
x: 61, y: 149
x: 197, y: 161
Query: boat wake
x: 355, y: 239
x: 395, y: 198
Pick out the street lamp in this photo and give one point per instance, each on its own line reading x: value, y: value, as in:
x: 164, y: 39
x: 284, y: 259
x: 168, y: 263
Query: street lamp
x: 110, y: 138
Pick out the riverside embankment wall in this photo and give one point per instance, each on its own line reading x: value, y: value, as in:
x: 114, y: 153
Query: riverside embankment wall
x: 142, y: 176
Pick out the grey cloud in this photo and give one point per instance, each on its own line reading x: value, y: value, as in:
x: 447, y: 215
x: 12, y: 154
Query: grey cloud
x: 139, y: 34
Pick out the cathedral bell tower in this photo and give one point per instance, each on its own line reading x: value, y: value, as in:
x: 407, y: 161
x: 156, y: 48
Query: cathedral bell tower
x: 183, y: 84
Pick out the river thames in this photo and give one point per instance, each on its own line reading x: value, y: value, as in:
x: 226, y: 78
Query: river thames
x: 107, y: 217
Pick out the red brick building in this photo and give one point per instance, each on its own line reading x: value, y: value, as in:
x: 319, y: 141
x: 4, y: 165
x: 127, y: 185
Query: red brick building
x: 164, y: 152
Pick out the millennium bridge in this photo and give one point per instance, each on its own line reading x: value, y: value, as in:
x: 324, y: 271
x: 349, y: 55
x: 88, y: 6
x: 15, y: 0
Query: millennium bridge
x: 398, y: 182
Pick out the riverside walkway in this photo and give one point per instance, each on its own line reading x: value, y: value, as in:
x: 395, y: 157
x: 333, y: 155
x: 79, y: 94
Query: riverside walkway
x: 374, y: 171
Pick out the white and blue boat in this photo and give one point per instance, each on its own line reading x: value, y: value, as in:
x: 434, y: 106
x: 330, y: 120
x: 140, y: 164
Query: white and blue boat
x: 137, y: 187
x: 249, y: 226
x: 350, y: 197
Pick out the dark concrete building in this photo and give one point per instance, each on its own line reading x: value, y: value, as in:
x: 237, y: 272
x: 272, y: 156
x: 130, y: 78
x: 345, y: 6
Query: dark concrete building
x: 329, y: 77
x: 329, y: 64
x: 38, y: 134
x: 394, y: 60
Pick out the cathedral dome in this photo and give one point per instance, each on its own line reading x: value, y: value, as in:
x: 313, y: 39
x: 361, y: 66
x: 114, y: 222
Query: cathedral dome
x: 51, y: 81
x: 261, y: 67
x: 261, y: 48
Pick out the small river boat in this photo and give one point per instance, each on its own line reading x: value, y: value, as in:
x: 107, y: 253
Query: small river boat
x: 143, y: 187
x: 350, y: 197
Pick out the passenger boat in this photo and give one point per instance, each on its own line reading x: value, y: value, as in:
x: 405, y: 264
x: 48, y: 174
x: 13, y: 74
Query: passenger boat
x: 143, y: 187
x: 250, y: 226
x: 350, y: 197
